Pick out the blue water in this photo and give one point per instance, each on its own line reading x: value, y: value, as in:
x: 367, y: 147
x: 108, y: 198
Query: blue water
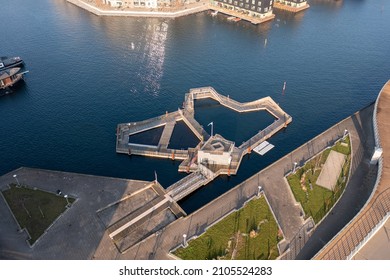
x: 149, y: 137
x: 89, y: 73
x: 237, y: 127
x: 182, y: 137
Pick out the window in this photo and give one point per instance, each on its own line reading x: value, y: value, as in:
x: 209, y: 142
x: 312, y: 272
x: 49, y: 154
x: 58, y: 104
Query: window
x: 247, y: 6
x: 266, y: 9
x: 253, y: 2
x: 241, y: 5
x: 235, y: 3
x: 259, y: 9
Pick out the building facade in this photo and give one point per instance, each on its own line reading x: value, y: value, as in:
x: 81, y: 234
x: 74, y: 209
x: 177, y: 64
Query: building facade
x: 256, y: 8
x: 146, y: 3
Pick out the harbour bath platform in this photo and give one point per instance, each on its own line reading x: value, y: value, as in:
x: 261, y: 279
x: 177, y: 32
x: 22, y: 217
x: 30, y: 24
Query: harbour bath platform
x: 213, y: 155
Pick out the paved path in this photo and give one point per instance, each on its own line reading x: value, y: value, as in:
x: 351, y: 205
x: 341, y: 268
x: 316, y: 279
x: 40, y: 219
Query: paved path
x: 358, y: 189
x: 337, y: 247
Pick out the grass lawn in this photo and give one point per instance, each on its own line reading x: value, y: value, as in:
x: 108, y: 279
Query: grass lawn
x: 35, y: 210
x: 249, y: 233
x: 316, y: 200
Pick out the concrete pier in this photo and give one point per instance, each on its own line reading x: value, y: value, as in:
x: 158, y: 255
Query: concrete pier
x: 186, y: 9
x: 104, y: 10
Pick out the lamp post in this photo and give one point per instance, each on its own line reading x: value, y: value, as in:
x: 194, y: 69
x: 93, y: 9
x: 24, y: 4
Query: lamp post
x: 67, y: 201
x: 345, y: 132
x: 185, y: 240
x: 16, y: 178
x: 295, y: 165
x: 259, y: 191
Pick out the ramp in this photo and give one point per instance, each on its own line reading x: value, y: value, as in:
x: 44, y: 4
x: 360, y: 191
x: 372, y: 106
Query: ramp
x: 263, y: 148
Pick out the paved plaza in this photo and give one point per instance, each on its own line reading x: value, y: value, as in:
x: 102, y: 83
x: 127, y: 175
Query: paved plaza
x: 81, y: 232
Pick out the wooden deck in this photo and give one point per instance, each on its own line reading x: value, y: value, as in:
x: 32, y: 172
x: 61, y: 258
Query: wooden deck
x: 202, y: 173
x: 251, y: 19
x: 289, y: 8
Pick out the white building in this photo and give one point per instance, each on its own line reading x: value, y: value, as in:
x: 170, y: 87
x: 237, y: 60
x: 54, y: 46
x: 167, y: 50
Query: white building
x: 217, y: 150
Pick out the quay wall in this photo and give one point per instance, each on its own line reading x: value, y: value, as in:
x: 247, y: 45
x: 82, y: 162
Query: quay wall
x: 200, y: 7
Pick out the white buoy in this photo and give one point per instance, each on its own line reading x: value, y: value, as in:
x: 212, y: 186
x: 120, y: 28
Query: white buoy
x: 265, y: 42
x: 284, y: 87
x: 132, y: 46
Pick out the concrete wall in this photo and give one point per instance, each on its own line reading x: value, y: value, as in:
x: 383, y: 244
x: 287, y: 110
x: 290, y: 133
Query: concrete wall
x: 221, y: 159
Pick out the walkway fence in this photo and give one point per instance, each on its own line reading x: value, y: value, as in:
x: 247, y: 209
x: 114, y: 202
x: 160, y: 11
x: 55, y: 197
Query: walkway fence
x: 370, y: 217
x: 361, y: 230
x: 298, y: 241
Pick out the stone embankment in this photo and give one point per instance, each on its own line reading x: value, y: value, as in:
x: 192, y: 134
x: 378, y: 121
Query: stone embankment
x: 173, y: 13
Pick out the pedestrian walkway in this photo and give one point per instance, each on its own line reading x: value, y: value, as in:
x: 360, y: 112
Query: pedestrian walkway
x: 354, y: 234
x: 166, y: 135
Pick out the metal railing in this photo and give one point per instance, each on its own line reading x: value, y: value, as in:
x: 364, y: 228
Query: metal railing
x: 354, y: 244
x: 298, y: 241
x: 186, y: 185
x: 362, y: 229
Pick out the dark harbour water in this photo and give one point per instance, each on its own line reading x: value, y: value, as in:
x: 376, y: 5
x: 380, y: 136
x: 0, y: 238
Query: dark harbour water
x: 89, y: 73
